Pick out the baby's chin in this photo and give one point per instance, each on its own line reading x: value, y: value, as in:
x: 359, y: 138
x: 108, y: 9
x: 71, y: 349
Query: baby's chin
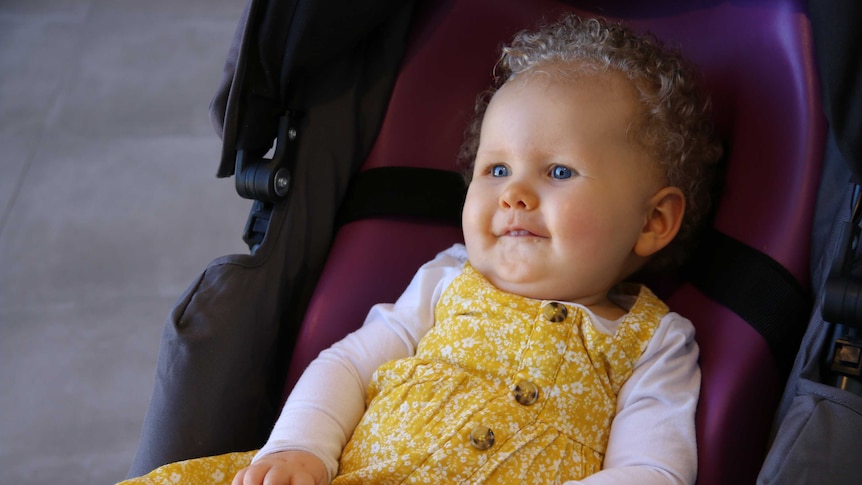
x: 529, y: 284
x: 538, y: 286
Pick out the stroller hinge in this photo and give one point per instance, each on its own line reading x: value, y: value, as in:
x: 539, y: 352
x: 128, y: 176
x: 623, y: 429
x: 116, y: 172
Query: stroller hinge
x: 267, y: 179
x: 842, y: 300
x: 842, y: 304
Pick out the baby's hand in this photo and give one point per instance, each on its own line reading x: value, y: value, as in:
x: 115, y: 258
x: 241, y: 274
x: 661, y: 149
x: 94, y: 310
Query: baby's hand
x: 284, y: 468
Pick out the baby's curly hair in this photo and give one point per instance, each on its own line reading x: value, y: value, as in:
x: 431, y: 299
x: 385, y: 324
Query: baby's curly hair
x: 674, y: 125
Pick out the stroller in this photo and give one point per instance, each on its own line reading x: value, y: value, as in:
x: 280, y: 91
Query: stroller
x: 366, y: 106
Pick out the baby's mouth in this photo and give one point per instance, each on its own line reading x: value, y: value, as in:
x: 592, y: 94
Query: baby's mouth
x: 519, y: 232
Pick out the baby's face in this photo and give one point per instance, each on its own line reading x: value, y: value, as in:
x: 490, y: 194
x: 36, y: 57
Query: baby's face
x: 560, y: 189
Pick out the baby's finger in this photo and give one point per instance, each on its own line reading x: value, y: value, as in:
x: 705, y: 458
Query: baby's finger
x: 302, y: 479
x: 253, y: 475
x: 238, y: 478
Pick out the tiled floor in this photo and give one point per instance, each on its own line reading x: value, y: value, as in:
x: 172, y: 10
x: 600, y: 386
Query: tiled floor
x: 109, y: 207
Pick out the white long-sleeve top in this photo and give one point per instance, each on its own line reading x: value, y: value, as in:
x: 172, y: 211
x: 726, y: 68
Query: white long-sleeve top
x: 652, y: 438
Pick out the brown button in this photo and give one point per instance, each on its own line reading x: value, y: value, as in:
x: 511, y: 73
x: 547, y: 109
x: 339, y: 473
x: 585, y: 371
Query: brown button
x: 555, y: 312
x: 526, y: 393
x: 482, y: 437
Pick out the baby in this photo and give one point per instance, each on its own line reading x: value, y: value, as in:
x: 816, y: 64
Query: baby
x: 522, y: 356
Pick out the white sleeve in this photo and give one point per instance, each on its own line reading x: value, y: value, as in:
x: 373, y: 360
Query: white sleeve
x: 329, y: 399
x: 652, y: 438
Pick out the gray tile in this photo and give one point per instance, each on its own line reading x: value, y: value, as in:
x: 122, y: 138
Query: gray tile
x: 81, y: 9
x: 110, y: 157
x: 191, y: 9
x: 46, y: 9
x: 36, y: 57
x: 117, y: 217
x: 78, y: 380
x: 140, y: 78
x: 36, y: 60
x: 102, y: 241
x: 14, y: 159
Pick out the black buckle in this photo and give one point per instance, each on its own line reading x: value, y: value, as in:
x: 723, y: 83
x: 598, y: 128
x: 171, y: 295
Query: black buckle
x: 256, y: 225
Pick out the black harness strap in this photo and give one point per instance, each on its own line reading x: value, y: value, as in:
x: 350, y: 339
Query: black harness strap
x: 756, y: 288
x: 405, y: 192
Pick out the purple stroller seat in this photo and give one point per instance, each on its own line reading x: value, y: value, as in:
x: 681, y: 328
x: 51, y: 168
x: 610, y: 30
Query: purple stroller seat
x: 757, y: 62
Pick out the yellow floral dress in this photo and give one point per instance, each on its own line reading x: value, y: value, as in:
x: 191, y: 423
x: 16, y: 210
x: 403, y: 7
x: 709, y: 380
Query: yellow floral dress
x: 212, y: 470
x: 503, y: 389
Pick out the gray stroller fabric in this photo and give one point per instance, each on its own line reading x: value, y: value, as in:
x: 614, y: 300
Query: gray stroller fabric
x: 820, y: 425
x: 215, y: 389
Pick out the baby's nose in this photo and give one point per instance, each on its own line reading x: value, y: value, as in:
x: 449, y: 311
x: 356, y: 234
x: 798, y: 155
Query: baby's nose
x: 518, y: 195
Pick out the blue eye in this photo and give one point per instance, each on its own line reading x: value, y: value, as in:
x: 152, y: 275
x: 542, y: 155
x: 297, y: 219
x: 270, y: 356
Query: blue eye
x: 499, y: 171
x: 561, y: 172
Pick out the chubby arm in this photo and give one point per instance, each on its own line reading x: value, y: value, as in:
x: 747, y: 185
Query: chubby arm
x: 329, y: 399
x: 652, y: 438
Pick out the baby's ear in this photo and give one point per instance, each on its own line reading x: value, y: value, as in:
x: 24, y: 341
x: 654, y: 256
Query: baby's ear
x: 663, y: 220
